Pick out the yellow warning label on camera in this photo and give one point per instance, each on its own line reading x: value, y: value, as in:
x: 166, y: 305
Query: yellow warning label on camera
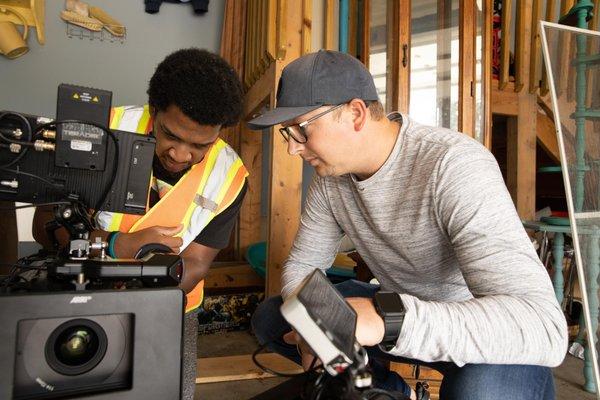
x: 85, y: 97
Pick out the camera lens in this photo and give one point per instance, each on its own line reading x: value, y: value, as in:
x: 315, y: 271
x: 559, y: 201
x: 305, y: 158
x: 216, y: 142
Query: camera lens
x: 76, y: 347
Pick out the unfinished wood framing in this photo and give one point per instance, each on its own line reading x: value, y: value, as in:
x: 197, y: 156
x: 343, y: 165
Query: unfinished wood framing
x: 512, y: 147
x: 593, y: 24
x: 466, y: 80
x: 266, y: 22
x: 306, y: 26
x: 505, y: 44
x: 546, y: 135
x: 523, y: 43
x: 504, y: 102
x: 565, y: 6
x: 252, y: 154
x: 263, y: 55
x: 365, y: 47
x: 511, y: 99
x: 232, y: 50
x: 284, y: 210
x: 330, y: 26
x: 551, y: 17
x: 281, y: 23
x: 521, y: 155
x: 258, y: 94
x: 526, y: 154
x: 404, y: 18
x: 352, y: 27
x: 232, y: 275
x: 250, y: 38
x: 486, y: 72
x: 398, y: 55
x: 285, y: 173
x: 562, y: 75
x: 535, y: 48
x: 250, y: 218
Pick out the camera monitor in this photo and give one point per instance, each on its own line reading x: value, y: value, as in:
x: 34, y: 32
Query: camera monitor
x: 326, y: 322
x: 75, y: 157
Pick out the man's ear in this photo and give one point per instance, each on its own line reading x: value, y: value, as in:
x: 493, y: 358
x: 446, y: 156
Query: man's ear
x: 152, y: 110
x: 359, y: 112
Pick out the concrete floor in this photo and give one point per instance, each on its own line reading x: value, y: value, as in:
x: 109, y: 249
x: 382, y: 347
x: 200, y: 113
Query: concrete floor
x: 568, y: 376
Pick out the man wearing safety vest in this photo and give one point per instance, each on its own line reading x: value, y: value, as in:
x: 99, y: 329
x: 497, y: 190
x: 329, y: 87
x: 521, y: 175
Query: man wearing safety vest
x: 198, y: 181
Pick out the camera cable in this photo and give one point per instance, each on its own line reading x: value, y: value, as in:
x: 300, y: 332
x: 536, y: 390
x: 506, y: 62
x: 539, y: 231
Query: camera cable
x: 28, y: 143
x: 54, y: 203
x: 277, y: 373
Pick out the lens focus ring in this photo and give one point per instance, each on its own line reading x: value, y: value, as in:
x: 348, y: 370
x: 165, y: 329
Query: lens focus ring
x: 76, y: 347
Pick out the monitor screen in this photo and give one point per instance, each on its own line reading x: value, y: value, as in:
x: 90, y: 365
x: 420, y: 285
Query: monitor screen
x: 327, y: 307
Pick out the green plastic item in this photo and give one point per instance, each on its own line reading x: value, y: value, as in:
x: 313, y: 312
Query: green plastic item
x: 550, y: 168
x: 257, y: 258
x: 560, y: 221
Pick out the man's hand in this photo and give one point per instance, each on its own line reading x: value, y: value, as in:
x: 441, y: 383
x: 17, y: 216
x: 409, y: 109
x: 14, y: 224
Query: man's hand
x: 370, y: 327
x: 127, y: 244
x: 305, y: 351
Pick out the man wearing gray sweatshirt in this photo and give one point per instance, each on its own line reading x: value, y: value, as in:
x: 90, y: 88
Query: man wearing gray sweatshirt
x: 428, y: 211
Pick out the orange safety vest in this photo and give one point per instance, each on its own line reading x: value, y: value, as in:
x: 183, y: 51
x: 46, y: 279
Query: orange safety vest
x: 207, y: 189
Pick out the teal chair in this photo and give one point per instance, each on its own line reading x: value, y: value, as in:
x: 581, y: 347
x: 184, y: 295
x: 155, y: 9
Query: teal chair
x: 256, y: 255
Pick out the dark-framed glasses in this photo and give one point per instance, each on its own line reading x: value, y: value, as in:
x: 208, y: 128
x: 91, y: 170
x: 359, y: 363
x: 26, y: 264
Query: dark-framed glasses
x: 297, y: 131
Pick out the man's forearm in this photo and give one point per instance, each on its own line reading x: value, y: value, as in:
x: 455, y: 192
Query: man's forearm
x: 195, y: 271
x: 498, y: 329
x: 197, y: 259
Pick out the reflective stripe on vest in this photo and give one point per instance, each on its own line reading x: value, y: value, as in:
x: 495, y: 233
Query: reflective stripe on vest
x: 207, y: 189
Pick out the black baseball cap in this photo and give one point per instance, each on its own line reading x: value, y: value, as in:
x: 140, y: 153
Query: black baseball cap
x: 314, y: 80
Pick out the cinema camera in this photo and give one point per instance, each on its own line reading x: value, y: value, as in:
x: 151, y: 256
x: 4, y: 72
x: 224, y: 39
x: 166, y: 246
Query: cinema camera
x: 64, y: 329
x: 326, y: 322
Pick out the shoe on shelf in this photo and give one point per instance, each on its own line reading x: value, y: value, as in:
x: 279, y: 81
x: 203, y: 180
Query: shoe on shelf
x: 78, y: 7
x: 93, y: 18
x: 110, y: 24
x: 85, y: 22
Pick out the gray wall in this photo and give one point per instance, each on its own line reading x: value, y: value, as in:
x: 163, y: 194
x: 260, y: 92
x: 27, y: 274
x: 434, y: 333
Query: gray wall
x: 28, y: 84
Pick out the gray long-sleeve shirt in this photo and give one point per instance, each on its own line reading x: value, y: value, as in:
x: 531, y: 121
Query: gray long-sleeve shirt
x: 436, y: 224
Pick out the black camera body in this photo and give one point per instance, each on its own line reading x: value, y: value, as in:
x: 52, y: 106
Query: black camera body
x: 64, y: 330
x: 128, y: 185
x: 62, y: 344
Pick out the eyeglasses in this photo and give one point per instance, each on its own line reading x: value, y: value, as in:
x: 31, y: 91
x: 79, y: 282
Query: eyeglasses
x: 297, y: 131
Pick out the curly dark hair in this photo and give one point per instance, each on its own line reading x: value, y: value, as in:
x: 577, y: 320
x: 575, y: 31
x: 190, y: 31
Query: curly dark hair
x: 203, y: 85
